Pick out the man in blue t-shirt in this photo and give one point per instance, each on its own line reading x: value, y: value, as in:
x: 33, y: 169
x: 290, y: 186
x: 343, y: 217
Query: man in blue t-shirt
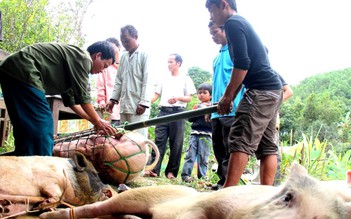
x: 254, y: 124
x: 222, y: 71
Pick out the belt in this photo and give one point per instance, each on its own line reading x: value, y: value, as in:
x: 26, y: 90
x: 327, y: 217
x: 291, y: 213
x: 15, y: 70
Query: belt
x: 171, y: 108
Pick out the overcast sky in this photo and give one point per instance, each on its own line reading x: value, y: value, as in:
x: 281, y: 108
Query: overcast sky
x: 304, y: 37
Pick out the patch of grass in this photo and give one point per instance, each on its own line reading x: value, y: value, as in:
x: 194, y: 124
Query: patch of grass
x: 198, y: 184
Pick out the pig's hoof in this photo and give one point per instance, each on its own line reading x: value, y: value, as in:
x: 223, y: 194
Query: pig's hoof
x: 4, y: 202
x: 48, y: 203
x: 3, y: 206
x: 4, y: 210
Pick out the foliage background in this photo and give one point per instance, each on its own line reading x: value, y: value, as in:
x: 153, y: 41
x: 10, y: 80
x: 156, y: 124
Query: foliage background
x: 31, y: 21
x: 321, y: 104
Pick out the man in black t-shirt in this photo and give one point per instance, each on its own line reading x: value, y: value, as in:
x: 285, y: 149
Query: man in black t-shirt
x: 254, y: 125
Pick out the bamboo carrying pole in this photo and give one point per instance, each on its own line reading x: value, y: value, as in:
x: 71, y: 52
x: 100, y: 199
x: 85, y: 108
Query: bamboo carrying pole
x: 146, y: 123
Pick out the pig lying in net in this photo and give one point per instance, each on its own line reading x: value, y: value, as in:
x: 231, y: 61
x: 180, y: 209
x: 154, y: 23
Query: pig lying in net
x: 118, y: 160
x: 301, y: 197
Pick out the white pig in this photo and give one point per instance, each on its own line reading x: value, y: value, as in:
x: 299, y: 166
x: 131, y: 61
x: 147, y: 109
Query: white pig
x: 48, y: 180
x: 301, y: 197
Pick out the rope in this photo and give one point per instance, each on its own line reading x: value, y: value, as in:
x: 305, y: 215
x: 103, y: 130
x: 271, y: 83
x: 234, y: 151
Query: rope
x: 89, y: 140
x: 72, y: 214
x: 124, y: 158
x: 80, y: 134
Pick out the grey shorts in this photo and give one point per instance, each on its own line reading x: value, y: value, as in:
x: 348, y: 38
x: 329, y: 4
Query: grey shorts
x: 254, y: 125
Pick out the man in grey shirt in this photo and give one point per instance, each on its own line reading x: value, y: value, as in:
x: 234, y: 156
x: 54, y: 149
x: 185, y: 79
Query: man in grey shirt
x: 131, y: 84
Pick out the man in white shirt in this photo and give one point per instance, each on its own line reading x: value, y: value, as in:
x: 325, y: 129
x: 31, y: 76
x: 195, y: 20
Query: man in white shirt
x: 174, y: 91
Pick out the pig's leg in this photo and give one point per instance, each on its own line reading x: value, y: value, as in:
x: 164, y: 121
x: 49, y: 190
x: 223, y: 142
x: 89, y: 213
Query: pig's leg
x: 139, y: 201
x: 111, y: 206
x: 115, y: 206
x: 120, y: 217
x: 53, y: 192
x: 131, y: 202
x: 63, y: 214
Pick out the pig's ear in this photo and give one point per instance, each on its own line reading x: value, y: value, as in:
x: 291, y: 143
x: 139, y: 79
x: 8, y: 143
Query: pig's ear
x: 80, y: 161
x: 296, y: 170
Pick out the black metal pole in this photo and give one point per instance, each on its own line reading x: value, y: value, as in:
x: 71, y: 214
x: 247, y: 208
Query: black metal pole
x: 170, y: 118
x: 143, y: 124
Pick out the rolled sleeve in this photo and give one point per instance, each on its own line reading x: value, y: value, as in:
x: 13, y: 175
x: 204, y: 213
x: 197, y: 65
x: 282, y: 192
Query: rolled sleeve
x: 69, y: 99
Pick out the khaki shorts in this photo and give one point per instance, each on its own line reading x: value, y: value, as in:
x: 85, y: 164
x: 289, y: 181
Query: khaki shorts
x: 254, y: 125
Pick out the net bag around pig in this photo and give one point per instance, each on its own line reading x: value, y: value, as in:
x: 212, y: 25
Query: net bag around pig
x: 118, y: 159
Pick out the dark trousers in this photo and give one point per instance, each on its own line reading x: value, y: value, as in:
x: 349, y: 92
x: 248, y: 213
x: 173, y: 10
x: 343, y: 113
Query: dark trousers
x: 31, y: 118
x: 220, y: 132
x: 174, y: 132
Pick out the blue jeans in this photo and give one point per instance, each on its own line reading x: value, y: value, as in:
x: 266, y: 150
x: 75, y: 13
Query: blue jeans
x: 199, y: 149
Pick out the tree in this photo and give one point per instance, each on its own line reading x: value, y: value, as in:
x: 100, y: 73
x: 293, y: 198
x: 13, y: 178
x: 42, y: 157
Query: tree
x: 199, y: 76
x: 289, y: 113
x: 337, y: 83
x: 67, y: 18
x: 320, y: 105
x: 22, y: 22
x: 31, y: 21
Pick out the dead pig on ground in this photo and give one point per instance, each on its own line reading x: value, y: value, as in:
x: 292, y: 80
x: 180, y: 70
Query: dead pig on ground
x: 44, y: 181
x: 301, y: 197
